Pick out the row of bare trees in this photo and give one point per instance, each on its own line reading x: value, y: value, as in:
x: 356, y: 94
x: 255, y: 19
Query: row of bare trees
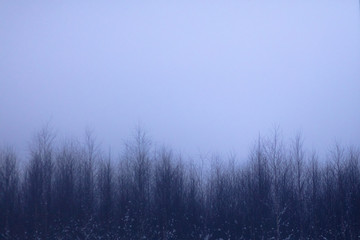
x: 74, y: 190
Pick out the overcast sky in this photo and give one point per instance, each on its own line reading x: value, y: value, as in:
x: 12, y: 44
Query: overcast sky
x: 199, y: 76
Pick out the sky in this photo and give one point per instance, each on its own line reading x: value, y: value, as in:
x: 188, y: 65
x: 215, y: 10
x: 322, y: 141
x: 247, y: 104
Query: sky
x: 199, y: 76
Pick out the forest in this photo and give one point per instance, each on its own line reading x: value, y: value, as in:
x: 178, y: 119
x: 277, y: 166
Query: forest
x: 74, y: 189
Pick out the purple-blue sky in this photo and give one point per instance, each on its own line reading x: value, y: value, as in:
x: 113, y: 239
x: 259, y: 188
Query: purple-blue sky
x: 200, y: 76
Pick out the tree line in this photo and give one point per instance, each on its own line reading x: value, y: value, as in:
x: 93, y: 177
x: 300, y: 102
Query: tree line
x: 75, y: 190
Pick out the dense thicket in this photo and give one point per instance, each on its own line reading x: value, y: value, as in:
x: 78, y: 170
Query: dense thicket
x: 74, y: 190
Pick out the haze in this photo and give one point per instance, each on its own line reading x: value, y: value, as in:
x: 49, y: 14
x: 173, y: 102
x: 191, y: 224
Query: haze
x: 198, y: 76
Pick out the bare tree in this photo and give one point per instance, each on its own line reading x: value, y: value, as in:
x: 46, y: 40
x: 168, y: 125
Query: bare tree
x: 105, y: 191
x: 275, y: 155
x: 138, y: 154
x: 124, y: 197
x: 313, y: 186
x: 298, y: 161
x: 194, y: 201
x: 259, y: 190
x: 9, y: 179
x: 164, y: 181
x: 337, y: 165
x: 169, y: 194
x: 38, y: 183
x: 89, y: 158
x: 66, y: 178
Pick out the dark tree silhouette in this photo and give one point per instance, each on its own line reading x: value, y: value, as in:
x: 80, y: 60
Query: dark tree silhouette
x: 74, y: 191
x: 38, y: 183
x: 9, y: 184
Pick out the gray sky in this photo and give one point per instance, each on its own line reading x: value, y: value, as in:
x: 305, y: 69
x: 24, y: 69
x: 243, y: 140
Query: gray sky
x: 200, y: 76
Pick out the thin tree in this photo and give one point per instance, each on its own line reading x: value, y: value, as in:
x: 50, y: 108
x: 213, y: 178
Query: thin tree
x: 9, y: 180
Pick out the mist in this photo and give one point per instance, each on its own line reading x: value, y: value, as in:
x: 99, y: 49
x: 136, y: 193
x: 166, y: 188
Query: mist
x: 199, y: 77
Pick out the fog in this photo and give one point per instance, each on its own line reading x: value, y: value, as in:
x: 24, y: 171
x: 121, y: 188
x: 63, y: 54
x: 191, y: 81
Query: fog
x: 200, y: 77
